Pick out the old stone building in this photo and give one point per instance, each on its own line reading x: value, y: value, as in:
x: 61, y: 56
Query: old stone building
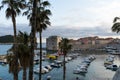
x: 52, y: 42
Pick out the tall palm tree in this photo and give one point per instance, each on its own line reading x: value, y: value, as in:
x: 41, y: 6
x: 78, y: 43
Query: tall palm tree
x: 42, y: 20
x: 42, y: 23
x: 31, y: 15
x: 13, y: 9
x: 33, y: 28
x: 116, y: 25
x: 23, y: 51
x: 64, y: 47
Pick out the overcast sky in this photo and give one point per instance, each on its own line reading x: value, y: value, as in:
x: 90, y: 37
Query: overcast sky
x: 73, y: 18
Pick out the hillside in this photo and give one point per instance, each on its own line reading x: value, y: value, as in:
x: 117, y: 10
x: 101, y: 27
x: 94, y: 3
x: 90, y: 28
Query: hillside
x: 6, y: 39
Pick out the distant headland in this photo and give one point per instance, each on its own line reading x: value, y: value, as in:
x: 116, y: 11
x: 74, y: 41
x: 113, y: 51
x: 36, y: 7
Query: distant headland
x: 7, y: 39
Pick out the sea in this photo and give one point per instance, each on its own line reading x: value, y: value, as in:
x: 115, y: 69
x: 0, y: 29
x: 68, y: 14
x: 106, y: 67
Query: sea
x: 96, y: 70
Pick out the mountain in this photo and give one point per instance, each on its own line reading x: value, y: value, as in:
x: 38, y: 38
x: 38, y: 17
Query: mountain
x: 6, y: 39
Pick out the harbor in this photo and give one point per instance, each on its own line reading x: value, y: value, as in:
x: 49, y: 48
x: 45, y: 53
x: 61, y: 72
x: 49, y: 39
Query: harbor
x: 95, y: 70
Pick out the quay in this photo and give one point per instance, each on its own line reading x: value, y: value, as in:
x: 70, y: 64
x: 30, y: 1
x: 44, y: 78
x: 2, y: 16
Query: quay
x: 2, y: 57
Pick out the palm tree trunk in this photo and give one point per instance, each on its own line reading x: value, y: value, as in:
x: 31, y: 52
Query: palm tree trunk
x: 64, y: 68
x: 24, y: 73
x: 32, y: 39
x: 40, y: 36
x: 15, y: 72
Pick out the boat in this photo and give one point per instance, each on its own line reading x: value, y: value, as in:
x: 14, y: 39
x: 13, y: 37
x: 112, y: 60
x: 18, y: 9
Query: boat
x: 108, y: 63
x: 86, y: 60
x: 55, y: 65
x: 84, y: 65
x: 112, y: 67
x: 91, y: 58
x: 79, y: 70
x: 44, y: 70
x: 48, y: 67
x: 68, y: 58
x: 3, y: 62
x: 58, y: 62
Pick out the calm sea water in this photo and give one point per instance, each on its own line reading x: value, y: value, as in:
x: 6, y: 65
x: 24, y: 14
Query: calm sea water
x: 4, y: 48
x: 96, y: 70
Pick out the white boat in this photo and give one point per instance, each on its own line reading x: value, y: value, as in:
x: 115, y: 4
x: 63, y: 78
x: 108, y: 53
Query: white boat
x: 83, y: 65
x: 112, y: 67
x: 87, y: 60
x: 37, y: 71
x: 56, y: 65
x: 48, y: 67
x: 58, y: 61
x: 79, y: 70
x: 4, y: 61
x: 91, y: 57
x: 44, y: 70
x: 110, y: 59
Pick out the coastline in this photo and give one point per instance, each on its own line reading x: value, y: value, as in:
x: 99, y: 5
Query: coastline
x: 6, y: 43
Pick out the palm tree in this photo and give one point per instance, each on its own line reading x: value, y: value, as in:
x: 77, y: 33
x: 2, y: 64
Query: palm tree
x: 64, y: 47
x: 23, y: 51
x: 42, y: 23
x: 42, y: 20
x: 31, y: 15
x: 116, y: 25
x: 13, y: 9
x: 33, y: 28
x: 24, y: 57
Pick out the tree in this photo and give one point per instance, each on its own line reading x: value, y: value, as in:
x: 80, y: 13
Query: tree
x: 13, y: 9
x: 116, y: 25
x: 41, y: 24
x: 31, y: 15
x: 32, y: 37
x: 64, y: 48
x: 23, y: 51
x: 42, y: 21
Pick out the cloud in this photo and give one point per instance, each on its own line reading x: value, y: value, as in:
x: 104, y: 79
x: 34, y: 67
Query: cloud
x: 79, y: 18
x: 93, y: 13
x: 8, y: 29
x: 74, y: 33
x: 80, y: 32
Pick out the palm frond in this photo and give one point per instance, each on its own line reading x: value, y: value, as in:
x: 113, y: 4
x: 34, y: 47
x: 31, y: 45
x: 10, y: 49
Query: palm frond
x: 116, y: 27
x: 25, y: 13
x: 115, y: 19
x: 47, y: 11
x: 22, y: 5
x: 18, y: 11
x: 48, y: 23
x: 45, y: 3
x: 8, y: 13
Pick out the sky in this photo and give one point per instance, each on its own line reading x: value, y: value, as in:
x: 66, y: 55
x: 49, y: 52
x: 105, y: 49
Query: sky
x: 72, y: 19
